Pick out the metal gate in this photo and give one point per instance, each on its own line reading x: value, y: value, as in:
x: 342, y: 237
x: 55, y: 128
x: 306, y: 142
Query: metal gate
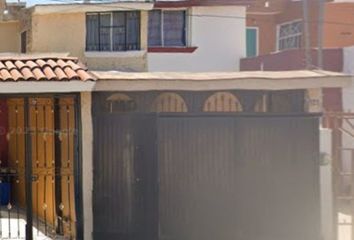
x: 38, y: 170
x: 220, y: 176
x: 125, y: 182
x: 342, y: 126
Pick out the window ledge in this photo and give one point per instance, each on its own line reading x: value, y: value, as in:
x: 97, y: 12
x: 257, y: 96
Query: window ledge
x: 97, y: 54
x: 172, y: 49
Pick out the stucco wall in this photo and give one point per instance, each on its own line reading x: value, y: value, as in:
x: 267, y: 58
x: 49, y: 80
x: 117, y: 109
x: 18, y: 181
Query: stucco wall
x: 66, y: 32
x: 348, y: 67
x: 220, y: 42
x: 87, y: 163
x: 339, y: 35
x: 9, y: 37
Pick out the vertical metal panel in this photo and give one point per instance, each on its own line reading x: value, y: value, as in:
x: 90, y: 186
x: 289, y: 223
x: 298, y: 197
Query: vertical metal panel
x: 238, y: 178
x: 123, y: 181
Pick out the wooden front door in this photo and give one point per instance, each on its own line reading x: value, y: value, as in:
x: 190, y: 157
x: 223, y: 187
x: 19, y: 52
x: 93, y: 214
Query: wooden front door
x: 52, y: 128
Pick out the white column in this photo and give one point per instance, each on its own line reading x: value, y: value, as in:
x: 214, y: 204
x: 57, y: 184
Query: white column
x: 326, y: 184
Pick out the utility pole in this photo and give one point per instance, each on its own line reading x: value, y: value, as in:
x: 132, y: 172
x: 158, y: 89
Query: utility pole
x: 320, y: 34
x: 305, y: 12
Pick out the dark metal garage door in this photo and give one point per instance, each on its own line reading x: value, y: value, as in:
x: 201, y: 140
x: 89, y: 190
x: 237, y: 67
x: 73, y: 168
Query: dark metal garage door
x: 221, y: 177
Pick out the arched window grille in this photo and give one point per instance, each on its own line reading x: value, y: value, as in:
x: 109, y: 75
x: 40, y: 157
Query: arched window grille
x: 120, y: 103
x: 169, y: 102
x: 222, y: 102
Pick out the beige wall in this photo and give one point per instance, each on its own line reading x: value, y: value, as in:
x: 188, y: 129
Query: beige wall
x: 87, y: 163
x: 66, y: 32
x: 10, y: 37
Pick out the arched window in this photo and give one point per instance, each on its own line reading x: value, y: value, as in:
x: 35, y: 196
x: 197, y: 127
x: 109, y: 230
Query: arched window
x: 119, y: 102
x: 169, y: 102
x: 261, y: 104
x: 222, y: 102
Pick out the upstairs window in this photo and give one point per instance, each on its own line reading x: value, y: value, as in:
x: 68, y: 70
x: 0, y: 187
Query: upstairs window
x: 167, y: 28
x: 290, y: 35
x: 113, y: 31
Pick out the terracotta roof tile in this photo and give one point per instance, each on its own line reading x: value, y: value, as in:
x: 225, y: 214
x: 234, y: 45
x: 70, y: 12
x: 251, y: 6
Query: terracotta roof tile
x: 27, y: 68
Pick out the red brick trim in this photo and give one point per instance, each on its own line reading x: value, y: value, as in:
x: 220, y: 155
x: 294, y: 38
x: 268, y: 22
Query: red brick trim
x: 191, y: 3
x: 172, y: 49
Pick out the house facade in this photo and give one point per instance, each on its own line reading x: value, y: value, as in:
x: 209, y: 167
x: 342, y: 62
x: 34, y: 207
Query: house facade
x: 136, y: 36
x: 274, y: 26
x: 278, y: 25
x: 100, y: 154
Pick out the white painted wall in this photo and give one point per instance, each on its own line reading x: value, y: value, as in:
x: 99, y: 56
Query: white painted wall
x: 326, y: 185
x: 348, y: 67
x: 220, y: 35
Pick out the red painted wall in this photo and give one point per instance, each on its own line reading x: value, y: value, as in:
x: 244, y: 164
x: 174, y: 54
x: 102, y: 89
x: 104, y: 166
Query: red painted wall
x: 3, y: 132
x: 295, y: 60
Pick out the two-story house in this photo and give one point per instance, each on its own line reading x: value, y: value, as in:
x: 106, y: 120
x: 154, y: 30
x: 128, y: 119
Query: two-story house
x: 278, y: 25
x: 192, y: 35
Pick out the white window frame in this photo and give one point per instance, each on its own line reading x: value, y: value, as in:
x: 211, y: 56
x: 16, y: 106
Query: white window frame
x: 257, y: 39
x: 294, y: 35
x: 186, y: 29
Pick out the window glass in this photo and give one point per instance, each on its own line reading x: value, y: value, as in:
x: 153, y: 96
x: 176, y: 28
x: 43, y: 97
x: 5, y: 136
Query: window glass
x: 105, y: 32
x: 155, y: 28
x: 118, y: 31
x: 290, y: 35
x: 167, y: 28
x: 173, y: 28
x: 92, y: 42
x: 132, y: 31
x: 113, y: 31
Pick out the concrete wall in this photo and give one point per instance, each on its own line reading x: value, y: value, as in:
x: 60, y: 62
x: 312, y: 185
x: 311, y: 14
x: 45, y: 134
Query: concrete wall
x: 220, y: 42
x: 66, y: 32
x: 87, y: 163
x: 10, y: 36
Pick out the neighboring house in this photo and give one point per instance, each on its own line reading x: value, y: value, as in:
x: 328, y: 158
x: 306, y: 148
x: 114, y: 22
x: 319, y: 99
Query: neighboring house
x: 192, y: 35
x: 274, y: 25
x: 277, y: 25
x: 293, y: 59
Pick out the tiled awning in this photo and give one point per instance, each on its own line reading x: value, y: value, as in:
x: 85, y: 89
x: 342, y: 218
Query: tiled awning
x: 43, y: 69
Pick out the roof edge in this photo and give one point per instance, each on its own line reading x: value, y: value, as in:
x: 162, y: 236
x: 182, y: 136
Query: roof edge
x: 195, y: 3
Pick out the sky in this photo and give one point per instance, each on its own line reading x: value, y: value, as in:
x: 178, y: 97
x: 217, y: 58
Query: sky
x: 33, y: 2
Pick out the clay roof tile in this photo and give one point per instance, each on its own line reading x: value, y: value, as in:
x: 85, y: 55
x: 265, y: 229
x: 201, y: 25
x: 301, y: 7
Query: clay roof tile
x: 9, y: 65
x: 16, y: 75
x: 27, y: 74
x: 26, y: 68
x: 31, y: 64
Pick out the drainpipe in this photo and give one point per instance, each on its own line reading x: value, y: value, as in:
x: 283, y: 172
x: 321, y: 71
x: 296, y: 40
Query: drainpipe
x: 320, y: 34
x: 305, y: 12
